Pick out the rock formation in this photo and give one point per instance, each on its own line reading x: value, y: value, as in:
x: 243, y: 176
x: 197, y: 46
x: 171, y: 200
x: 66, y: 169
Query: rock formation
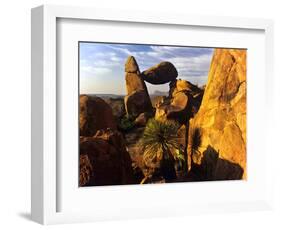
x: 117, y: 105
x: 95, y: 114
x: 177, y: 108
x: 142, y: 119
x: 187, y: 87
x: 217, y: 137
x: 86, y: 170
x: 182, y: 103
x: 104, y: 160
x: 137, y: 100
x: 183, y: 85
x: 161, y: 73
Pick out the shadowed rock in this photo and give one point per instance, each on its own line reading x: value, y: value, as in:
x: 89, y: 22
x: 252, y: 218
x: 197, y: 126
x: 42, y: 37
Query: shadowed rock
x: 95, y: 114
x: 161, y: 73
x: 104, y: 160
x: 86, y: 170
x: 212, y: 167
x: 137, y: 102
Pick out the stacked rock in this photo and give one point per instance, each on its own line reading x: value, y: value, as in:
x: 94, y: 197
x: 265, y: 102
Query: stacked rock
x: 137, y: 100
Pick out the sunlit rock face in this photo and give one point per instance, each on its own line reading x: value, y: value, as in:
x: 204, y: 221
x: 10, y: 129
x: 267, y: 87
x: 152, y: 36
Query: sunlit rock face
x: 217, y: 137
x: 177, y: 108
x: 183, y: 102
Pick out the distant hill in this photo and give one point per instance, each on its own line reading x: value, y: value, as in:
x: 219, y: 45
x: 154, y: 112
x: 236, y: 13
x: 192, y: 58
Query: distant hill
x: 104, y: 95
x: 160, y: 93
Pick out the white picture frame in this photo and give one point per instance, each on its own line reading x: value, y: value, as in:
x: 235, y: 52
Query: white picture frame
x: 44, y: 113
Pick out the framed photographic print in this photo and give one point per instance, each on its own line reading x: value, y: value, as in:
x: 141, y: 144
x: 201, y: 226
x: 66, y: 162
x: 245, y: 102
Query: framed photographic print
x: 138, y: 114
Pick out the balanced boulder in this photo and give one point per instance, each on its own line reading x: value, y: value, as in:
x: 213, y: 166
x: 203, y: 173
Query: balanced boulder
x: 161, y: 73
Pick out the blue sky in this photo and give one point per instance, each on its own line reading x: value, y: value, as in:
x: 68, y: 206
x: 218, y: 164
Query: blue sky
x: 102, y: 65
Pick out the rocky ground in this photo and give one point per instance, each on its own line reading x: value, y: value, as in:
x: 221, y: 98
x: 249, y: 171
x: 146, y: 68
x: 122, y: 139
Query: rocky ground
x: 212, y: 124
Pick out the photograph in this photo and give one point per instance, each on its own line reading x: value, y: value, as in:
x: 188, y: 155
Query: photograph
x: 158, y: 113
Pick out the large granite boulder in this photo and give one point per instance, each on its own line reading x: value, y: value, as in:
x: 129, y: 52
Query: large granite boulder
x: 178, y: 108
x: 117, y: 105
x: 186, y: 86
x: 104, y: 160
x: 219, y: 127
x: 137, y: 100
x: 95, y: 114
x: 183, y: 85
x: 161, y: 73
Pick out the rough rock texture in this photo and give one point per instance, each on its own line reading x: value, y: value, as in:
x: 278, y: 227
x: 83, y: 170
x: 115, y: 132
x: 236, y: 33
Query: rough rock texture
x: 182, y: 131
x: 131, y: 65
x: 187, y: 87
x: 137, y: 102
x: 183, y: 85
x: 161, y: 73
x: 136, y: 90
x: 104, y: 160
x: 117, y: 106
x: 142, y: 119
x: 86, y: 170
x: 131, y: 139
x: 177, y: 108
x: 134, y: 83
x: 95, y: 114
x: 219, y: 144
x: 182, y: 103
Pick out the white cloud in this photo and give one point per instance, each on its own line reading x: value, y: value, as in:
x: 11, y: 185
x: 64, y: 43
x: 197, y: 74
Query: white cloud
x: 95, y: 70
x: 116, y: 59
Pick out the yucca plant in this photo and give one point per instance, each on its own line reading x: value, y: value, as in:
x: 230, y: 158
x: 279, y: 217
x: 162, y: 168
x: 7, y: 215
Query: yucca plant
x: 161, y: 146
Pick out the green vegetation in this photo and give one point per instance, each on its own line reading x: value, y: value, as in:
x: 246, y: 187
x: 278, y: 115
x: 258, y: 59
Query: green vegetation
x: 126, y: 123
x: 161, y: 147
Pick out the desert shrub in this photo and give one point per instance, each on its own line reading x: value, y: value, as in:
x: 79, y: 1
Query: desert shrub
x: 161, y: 146
x: 126, y: 123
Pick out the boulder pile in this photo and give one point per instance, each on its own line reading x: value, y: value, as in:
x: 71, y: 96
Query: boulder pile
x: 104, y: 160
x: 103, y: 157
